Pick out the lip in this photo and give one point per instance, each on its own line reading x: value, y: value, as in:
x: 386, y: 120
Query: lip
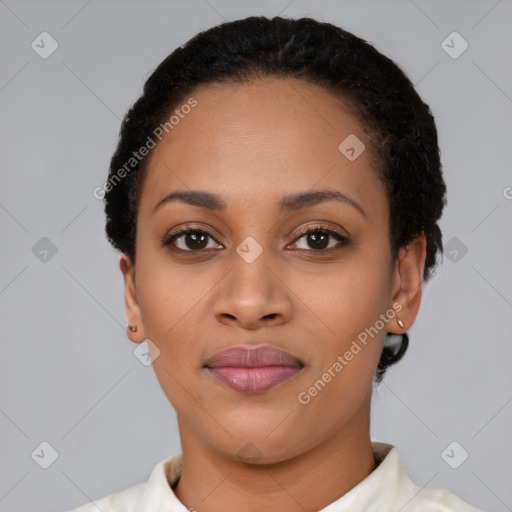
x: 253, y: 369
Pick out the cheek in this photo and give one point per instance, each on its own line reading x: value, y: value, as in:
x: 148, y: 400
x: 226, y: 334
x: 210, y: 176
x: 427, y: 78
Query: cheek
x: 166, y: 292
x: 167, y: 305
x: 349, y: 302
x: 347, y: 298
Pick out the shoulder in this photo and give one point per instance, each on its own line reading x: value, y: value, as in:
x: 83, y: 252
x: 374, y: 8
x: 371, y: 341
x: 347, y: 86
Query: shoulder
x: 127, y: 500
x: 437, y: 500
x: 144, y: 496
x: 399, y: 492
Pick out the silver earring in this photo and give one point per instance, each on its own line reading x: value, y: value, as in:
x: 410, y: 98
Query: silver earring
x: 132, y: 328
x: 400, y: 323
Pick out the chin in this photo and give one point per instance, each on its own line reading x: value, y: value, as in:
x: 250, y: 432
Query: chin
x: 258, y: 446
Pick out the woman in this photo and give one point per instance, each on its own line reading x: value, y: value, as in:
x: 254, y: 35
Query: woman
x: 275, y: 195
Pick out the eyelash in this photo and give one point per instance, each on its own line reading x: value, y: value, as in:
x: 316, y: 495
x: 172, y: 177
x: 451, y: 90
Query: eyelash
x: 188, y: 229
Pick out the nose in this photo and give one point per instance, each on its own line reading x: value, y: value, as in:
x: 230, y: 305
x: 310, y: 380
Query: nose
x: 253, y: 295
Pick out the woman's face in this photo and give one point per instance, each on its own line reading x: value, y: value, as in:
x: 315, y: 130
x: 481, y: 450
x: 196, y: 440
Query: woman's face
x: 254, y: 278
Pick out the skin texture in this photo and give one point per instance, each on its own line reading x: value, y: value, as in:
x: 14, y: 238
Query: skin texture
x: 252, y: 144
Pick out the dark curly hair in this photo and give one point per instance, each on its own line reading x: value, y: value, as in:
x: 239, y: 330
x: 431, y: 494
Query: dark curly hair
x: 398, y: 123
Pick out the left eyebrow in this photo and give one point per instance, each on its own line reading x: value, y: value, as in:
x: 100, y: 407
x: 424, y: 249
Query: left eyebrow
x: 289, y: 203
x: 305, y: 199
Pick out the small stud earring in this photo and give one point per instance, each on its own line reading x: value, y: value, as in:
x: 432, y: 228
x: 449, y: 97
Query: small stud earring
x: 132, y: 328
x: 400, y: 323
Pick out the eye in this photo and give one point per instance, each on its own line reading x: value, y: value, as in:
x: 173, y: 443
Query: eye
x: 191, y: 239
x: 321, y: 239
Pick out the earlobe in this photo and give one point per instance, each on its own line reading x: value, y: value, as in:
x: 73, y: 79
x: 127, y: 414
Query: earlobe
x: 410, y: 269
x: 134, y: 328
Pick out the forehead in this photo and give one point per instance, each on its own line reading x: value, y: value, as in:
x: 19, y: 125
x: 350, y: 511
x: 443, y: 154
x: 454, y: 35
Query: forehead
x: 256, y: 141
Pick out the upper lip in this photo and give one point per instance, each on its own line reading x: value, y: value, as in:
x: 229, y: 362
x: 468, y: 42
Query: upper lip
x: 252, y: 357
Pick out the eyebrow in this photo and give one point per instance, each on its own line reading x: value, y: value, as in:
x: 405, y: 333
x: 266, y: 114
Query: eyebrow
x: 289, y: 203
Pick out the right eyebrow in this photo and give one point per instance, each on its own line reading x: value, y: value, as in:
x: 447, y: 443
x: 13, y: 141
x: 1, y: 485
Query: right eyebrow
x: 194, y: 198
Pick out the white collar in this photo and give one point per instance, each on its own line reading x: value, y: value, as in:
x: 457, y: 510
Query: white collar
x: 387, y: 488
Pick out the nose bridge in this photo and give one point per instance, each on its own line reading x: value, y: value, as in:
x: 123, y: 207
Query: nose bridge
x: 251, y: 290
x: 250, y: 282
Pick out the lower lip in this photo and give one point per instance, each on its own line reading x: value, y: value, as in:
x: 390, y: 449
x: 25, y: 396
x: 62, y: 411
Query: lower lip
x: 254, y: 380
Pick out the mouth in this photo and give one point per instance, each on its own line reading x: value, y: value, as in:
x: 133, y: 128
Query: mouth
x: 253, y: 369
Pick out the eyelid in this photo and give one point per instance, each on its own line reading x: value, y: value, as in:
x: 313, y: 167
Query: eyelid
x: 189, y: 226
x: 319, y: 227
x: 343, y: 240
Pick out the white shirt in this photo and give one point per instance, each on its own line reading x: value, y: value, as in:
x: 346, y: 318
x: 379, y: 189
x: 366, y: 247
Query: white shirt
x: 386, y: 489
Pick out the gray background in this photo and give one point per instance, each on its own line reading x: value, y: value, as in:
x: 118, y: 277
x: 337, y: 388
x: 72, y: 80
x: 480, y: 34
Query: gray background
x: 68, y: 375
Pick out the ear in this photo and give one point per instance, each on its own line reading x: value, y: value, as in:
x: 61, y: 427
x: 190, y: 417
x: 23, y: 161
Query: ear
x: 408, y: 281
x: 130, y: 300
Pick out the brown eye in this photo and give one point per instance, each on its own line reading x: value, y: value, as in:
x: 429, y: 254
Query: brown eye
x: 191, y: 240
x: 321, y: 239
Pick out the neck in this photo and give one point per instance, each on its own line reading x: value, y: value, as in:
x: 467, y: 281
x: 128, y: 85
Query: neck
x: 211, y: 481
